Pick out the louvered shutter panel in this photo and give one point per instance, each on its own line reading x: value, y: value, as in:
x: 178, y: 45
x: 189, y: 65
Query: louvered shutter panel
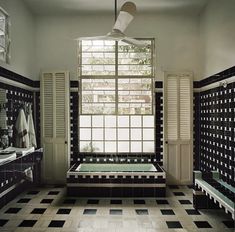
x: 172, y: 108
x: 60, y: 105
x: 48, y: 104
x: 185, y: 108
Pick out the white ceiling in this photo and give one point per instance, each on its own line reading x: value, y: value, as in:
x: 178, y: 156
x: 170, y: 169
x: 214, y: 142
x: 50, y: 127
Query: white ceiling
x: 44, y: 7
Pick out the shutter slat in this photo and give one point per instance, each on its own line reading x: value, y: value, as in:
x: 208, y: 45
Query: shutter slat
x: 48, y: 104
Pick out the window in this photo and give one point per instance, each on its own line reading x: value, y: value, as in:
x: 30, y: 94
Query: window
x: 4, y: 36
x: 116, y: 103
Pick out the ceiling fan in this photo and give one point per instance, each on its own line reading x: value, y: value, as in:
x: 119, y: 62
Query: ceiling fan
x: 124, y: 18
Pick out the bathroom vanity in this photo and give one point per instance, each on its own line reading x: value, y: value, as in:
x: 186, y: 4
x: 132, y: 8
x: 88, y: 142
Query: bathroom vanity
x: 18, y: 171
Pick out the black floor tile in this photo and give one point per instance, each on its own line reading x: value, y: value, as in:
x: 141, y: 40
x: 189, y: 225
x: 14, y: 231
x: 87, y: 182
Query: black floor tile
x: 90, y: 211
x: 56, y: 223
x: 69, y: 201
x: 63, y: 211
x: 139, y: 202
x: 229, y: 224
x: 13, y: 210
x: 173, y: 186
x: 38, y: 211
x: 93, y: 201
x: 192, y: 212
x: 116, y: 202
x: 59, y: 186
x: 24, y: 200
x: 115, y: 211
x: 202, y: 224
x: 179, y: 194
x: 34, y: 192
x: 173, y: 224
x: 46, y: 201
x: 162, y: 202
x: 185, y: 202
x: 53, y: 193
x: 141, y: 211
x: 167, y: 212
x: 27, y: 223
x: 3, y: 222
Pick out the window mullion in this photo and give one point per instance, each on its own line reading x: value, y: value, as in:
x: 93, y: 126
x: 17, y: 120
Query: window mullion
x: 116, y: 77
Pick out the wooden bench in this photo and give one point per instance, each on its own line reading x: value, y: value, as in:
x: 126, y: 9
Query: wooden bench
x: 203, y: 190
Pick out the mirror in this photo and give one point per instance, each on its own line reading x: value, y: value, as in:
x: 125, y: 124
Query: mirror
x: 3, y: 122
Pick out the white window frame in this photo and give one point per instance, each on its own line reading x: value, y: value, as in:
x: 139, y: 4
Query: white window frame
x: 6, y: 35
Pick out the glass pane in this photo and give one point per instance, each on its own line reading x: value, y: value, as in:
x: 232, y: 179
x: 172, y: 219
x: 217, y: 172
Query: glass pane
x: 148, y: 121
x: 110, y: 147
x: 110, y: 121
x: 85, y: 134
x: 136, y: 147
x: 136, y: 121
x: 98, y: 134
x: 148, y: 134
x: 134, y: 84
x: 110, y: 134
x: 98, y: 146
x: 85, y: 146
x: 123, y: 147
x: 136, y: 134
x: 97, y: 121
x: 133, y: 60
x: 98, y: 57
x: 85, y: 121
x: 123, y: 134
x: 98, y: 108
x: 98, y: 84
x: 148, y: 146
x: 123, y: 121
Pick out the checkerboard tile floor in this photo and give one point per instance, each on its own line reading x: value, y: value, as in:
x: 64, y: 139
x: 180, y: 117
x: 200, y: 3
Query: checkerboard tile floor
x: 48, y: 209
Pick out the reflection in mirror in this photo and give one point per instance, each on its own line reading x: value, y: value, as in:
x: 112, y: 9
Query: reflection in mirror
x: 3, y: 122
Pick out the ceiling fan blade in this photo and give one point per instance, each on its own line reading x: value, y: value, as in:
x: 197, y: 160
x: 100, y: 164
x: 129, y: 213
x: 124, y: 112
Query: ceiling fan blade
x: 102, y: 37
x: 125, y: 16
x: 138, y: 43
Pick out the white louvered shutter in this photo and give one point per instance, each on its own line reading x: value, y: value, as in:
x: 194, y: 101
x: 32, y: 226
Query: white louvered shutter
x: 55, y: 91
x: 178, y: 103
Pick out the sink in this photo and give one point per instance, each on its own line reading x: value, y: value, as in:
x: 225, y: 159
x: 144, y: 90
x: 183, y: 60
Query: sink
x: 6, y: 156
x: 20, y: 151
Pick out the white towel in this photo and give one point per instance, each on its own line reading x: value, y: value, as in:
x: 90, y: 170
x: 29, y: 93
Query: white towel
x: 31, y: 131
x: 22, y: 136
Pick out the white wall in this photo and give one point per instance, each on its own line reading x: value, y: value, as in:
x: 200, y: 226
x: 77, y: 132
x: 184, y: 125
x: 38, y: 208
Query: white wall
x: 22, y: 33
x: 217, y: 35
x: 176, y: 36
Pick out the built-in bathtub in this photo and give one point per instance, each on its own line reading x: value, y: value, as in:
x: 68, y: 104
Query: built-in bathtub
x: 116, y: 180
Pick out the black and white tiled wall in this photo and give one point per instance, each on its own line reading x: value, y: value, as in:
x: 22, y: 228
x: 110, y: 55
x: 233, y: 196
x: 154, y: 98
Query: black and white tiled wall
x: 159, y: 121
x: 214, y: 126
x: 16, y: 95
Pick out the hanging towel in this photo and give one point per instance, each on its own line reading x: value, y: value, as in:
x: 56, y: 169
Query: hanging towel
x: 22, y: 136
x: 32, y: 135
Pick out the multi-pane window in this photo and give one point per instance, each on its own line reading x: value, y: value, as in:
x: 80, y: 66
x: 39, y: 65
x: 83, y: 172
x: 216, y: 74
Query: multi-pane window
x: 113, y: 133
x: 4, y: 36
x: 116, y: 83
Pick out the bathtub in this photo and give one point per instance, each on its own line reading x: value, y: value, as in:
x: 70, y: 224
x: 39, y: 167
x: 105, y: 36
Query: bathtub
x: 116, y: 180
